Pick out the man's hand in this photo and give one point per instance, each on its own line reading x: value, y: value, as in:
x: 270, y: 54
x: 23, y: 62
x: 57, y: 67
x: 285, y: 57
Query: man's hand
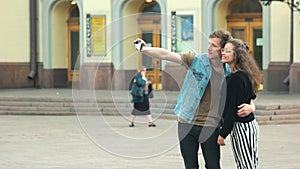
x: 139, y: 44
x: 245, y: 109
x: 221, y: 141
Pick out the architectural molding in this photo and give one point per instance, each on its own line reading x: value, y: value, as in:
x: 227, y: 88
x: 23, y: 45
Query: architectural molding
x: 208, y: 20
x: 47, y: 40
x: 266, y: 36
x: 117, y: 25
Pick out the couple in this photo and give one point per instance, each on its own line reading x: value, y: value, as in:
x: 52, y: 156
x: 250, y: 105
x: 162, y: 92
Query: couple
x: 200, y: 108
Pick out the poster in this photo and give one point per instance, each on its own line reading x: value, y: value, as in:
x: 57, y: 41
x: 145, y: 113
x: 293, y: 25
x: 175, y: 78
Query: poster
x: 187, y: 23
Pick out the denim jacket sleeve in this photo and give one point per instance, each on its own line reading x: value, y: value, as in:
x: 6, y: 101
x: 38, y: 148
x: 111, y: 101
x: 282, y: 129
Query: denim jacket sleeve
x: 193, y: 88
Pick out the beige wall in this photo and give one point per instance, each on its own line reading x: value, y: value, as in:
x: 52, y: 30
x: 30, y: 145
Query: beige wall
x: 98, y: 7
x: 14, y: 31
x: 280, y: 32
x: 221, y: 15
x: 60, y: 36
x: 184, y: 5
x: 190, y: 7
x: 130, y: 34
x: 39, y: 27
x: 296, y: 37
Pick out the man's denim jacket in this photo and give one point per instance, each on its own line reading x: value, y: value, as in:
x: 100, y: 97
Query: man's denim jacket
x: 194, y: 85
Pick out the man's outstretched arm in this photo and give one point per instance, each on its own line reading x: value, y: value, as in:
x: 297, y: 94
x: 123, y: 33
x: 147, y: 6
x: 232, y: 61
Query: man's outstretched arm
x: 158, y: 53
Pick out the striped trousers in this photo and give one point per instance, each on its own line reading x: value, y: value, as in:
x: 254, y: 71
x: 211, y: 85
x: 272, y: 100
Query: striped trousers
x: 244, y: 140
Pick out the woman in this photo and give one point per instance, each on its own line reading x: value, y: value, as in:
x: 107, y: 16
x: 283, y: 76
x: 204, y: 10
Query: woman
x: 141, y: 103
x: 242, y: 86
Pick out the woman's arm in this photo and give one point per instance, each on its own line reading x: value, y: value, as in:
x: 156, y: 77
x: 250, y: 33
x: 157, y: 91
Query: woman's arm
x: 140, y: 81
x: 245, y: 109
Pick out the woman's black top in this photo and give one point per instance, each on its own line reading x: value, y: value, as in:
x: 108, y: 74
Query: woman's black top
x: 238, y: 91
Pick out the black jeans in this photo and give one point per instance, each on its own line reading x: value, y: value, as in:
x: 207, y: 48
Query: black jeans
x: 190, y: 137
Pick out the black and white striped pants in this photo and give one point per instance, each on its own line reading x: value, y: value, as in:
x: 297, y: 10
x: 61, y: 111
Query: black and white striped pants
x: 244, y: 140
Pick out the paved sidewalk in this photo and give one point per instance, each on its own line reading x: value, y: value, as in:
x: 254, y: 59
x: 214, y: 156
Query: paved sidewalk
x: 68, y: 142
x: 106, y: 142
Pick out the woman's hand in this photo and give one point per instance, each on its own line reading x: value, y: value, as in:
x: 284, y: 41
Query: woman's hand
x: 221, y: 141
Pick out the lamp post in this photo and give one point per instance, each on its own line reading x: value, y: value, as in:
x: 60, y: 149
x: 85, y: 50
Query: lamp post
x: 294, y: 6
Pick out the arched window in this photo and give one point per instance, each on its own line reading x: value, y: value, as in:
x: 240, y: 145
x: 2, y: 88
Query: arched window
x: 153, y: 8
x: 245, y: 6
x: 74, y: 13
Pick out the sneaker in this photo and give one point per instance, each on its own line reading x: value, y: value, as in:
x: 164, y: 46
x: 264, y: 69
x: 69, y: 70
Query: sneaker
x: 131, y: 124
x: 151, y: 125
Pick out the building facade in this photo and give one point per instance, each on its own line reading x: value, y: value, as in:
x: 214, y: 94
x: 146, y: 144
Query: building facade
x: 88, y: 43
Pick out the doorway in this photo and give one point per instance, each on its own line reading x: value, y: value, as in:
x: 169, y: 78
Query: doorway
x: 244, y: 21
x: 250, y: 32
x: 73, y: 46
x: 150, y: 31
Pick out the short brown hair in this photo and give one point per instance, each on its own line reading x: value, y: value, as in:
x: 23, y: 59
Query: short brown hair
x: 224, y: 35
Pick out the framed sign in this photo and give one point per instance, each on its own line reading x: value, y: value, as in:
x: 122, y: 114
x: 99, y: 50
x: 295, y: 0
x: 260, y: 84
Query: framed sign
x: 186, y: 25
x: 96, y: 35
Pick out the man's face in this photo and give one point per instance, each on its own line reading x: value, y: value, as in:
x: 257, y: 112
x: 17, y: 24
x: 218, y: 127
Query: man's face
x: 214, y: 48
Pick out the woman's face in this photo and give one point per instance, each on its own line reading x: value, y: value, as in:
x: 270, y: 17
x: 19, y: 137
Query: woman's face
x: 143, y: 72
x: 227, y: 54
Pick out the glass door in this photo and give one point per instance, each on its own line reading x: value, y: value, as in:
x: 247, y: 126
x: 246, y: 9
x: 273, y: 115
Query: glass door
x: 251, y: 33
x: 74, y: 53
x: 257, y: 49
x: 151, y: 34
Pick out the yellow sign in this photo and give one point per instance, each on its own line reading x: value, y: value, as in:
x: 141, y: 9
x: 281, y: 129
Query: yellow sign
x: 98, y: 35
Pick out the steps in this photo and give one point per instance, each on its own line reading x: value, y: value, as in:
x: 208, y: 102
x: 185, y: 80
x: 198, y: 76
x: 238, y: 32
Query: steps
x: 265, y: 114
x: 67, y: 106
x: 278, y: 114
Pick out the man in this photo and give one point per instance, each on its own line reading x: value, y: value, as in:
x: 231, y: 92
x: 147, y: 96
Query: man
x: 199, y: 102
